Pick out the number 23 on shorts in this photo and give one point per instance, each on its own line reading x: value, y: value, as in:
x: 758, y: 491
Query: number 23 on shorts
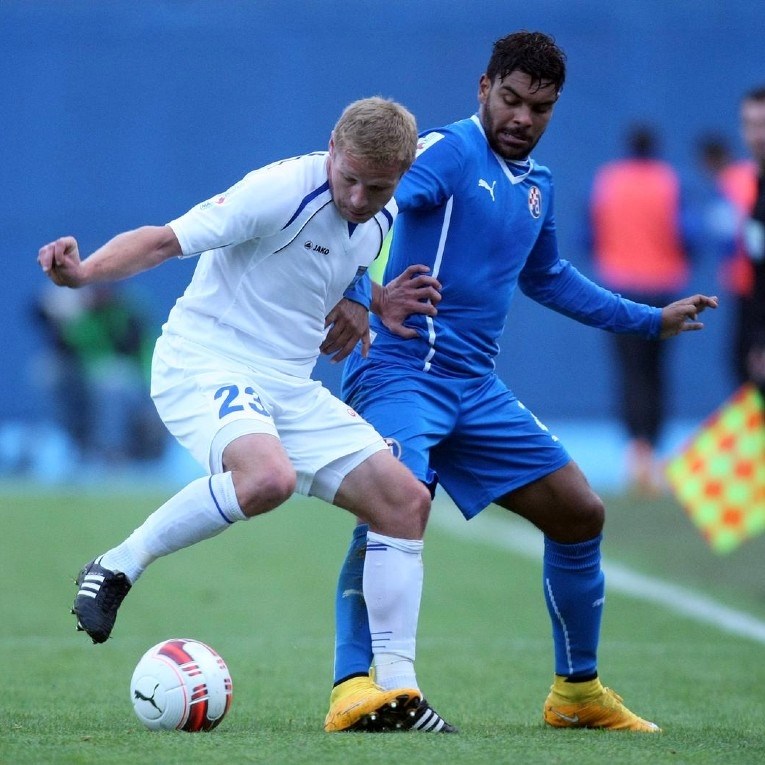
x: 235, y: 400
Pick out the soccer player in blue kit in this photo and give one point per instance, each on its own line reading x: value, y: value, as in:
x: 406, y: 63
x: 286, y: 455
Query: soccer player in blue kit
x: 477, y: 210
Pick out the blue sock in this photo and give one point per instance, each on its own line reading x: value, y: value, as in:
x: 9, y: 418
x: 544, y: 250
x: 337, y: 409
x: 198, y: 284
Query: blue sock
x: 353, y: 644
x: 574, y: 588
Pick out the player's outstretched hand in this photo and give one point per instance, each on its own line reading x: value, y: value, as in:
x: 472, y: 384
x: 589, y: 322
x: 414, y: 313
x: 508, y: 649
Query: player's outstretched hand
x: 411, y: 292
x: 60, y: 262
x: 681, y: 316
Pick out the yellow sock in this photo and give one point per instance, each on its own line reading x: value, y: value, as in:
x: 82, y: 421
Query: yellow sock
x: 586, y: 691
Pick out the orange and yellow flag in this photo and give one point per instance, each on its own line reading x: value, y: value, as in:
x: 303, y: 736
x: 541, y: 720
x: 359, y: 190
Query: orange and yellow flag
x: 719, y: 476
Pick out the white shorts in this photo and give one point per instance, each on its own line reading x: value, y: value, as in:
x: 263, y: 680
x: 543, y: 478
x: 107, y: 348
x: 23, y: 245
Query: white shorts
x: 207, y: 401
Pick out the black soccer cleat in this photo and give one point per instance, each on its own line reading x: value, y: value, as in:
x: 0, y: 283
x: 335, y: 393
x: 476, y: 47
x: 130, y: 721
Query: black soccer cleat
x: 425, y: 719
x: 98, y: 598
x: 393, y: 716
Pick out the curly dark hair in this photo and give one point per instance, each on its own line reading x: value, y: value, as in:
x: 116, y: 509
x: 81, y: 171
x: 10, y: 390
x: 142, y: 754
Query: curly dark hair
x: 755, y: 94
x: 533, y: 53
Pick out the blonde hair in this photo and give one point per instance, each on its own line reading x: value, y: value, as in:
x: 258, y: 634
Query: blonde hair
x: 378, y: 130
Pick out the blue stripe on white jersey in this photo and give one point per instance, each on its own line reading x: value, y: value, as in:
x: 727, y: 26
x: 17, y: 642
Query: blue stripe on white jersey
x: 388, y: 216
x: 315, y: 193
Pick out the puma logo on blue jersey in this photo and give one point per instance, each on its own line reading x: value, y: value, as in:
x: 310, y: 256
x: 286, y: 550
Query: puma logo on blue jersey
x: 484, y: 185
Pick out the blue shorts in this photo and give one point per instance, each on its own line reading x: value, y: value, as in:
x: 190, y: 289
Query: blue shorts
x: 472, y: 435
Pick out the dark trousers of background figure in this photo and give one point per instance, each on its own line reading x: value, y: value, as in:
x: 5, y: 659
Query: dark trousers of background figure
x: 742, y: 338
x: 641, y: 386
x: 641, y: 377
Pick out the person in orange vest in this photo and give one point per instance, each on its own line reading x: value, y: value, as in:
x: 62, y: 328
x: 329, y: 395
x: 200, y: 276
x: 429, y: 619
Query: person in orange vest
x: 753, y: 235
x: 639, y: 248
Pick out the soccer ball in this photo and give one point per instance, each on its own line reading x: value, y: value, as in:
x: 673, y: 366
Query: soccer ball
x: 181, y: 684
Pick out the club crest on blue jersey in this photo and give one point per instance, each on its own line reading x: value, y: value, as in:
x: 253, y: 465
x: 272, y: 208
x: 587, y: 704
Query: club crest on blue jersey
x: 535, y: 201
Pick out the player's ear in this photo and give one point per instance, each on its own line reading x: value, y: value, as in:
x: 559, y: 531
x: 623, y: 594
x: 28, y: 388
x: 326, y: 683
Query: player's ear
x: 332, y: 144
x: 484, y: 86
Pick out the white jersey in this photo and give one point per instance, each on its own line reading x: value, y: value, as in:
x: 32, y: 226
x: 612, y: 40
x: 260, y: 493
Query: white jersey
x: 276, y: 257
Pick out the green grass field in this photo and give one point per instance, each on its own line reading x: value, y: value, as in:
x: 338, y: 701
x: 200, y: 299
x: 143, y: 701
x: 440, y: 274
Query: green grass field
x: 262, y: 595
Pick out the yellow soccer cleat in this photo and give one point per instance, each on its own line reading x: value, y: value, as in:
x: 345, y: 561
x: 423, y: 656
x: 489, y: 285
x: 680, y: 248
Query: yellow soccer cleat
x: 358, y: 704
x: 590, y: 705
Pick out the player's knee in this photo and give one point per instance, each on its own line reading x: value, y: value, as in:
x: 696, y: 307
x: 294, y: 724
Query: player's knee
x: 577, y: 521
x: 414, y: 509
x: 585, y: 519
x: 420, y: 509
x: 404, y: 513
x: 264, y: 491
x: 593, y: 516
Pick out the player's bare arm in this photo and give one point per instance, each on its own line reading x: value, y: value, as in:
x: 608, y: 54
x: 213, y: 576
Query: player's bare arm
x: 682, y: 315
x: 126, y: 254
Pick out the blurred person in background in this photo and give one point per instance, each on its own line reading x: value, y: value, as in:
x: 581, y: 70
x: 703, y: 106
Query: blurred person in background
x: 640, y: 247
x: 753, y: 238
x: 58, y: 371
x: 718, y: 216
x: 96, y: 370
x: 722, y: 218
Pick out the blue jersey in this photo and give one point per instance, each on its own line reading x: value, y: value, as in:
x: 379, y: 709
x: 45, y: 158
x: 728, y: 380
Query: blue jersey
x: 484, y: 226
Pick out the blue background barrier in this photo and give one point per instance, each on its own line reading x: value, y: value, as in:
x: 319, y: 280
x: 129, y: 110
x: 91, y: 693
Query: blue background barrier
x: 119, y: 114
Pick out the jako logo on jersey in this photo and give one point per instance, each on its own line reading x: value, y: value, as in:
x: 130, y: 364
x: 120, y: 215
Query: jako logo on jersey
x: 482, y: 184
x: 309, y: 245
x: 394, y: 446
x: 535, y: 202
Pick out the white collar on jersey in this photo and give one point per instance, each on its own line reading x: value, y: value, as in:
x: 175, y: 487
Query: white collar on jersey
x: 523, y: 167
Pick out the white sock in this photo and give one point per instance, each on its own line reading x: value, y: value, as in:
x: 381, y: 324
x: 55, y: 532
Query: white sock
x: 199, y: 511
x: 392, y: 590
